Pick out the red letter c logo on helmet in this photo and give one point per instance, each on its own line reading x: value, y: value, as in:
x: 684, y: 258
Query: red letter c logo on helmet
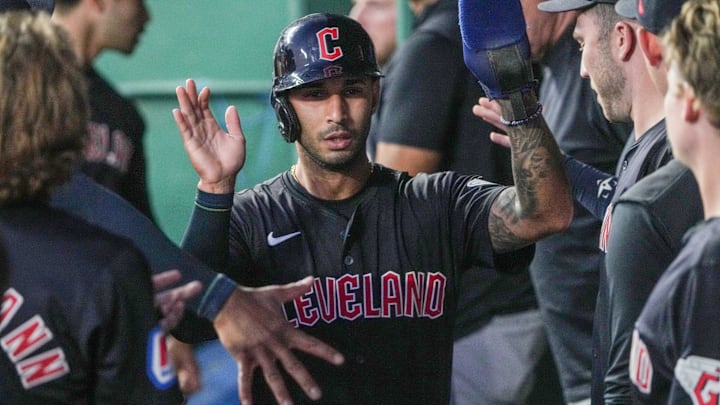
x: 324, y: 36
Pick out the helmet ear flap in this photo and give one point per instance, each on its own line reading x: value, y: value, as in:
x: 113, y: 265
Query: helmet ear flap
x: 288, y: 123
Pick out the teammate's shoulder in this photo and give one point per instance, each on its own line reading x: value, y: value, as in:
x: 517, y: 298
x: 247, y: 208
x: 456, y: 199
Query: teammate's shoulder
x: 673, y: 181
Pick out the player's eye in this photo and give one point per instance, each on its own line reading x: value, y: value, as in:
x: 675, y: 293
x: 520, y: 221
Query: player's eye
x: 312, y: 93
x: 354, y: 91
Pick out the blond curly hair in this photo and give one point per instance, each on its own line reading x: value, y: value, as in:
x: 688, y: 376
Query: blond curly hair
x: 43, y: 108
x: 693, y: 44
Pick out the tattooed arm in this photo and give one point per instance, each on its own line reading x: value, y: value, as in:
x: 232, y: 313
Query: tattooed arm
x: 540, y: 203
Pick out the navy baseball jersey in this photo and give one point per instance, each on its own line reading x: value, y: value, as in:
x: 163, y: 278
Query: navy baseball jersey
x: 649, y: 222
x: 642, y: 158
x: 675, y: 356
x: 115, y: 155
x: 77, y: 324
x: 386, y: 264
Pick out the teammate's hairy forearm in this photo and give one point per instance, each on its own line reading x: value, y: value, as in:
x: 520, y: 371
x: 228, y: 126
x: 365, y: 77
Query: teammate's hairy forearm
x: 540, y: 203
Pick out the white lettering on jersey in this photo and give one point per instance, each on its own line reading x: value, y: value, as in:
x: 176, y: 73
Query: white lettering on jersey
x: 111, y: 148
x: 416, y: 295
x: 44, y: 367
x: 700, y: 378
x: 641, y: 368
x: 27, y: 339
x: 606, y: 187
x: 159, y: 367
x: 11, y: 303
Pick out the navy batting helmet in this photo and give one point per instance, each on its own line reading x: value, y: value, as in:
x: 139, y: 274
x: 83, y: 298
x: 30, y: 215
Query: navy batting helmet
x: 312, y: 48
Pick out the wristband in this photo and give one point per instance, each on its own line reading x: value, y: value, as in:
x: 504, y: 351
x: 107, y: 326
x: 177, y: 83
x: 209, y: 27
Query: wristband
x: 531, y: 117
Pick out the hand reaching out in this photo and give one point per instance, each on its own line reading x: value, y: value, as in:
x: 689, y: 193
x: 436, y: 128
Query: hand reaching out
x: 254, y: 330
x: 489, y: 111
x: 188, y: 371
x: 171, y: 302
x: 217, y: 156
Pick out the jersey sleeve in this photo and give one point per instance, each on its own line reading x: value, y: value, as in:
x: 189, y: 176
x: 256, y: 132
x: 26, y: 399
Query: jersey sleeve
x: 471, y: 202
x: 99, y: 206
x: 592, y: 188
x: 636, y: 258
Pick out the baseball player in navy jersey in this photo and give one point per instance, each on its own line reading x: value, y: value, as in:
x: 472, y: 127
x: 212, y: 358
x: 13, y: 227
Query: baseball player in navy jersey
x: 675, y: 357
x: 247, y: 319
x: 76, y: 324
x: 626, y: 92
x: 385, y: 249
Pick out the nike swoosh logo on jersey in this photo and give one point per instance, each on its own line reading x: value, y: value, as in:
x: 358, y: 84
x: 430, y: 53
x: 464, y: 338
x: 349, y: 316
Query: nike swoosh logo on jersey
x: 273, y: 240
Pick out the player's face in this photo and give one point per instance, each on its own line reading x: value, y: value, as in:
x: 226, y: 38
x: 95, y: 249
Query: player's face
x: 334, y: 116
x: 675, y: 109
x: 598, y: 64
x: 378, y: 18
x: 123, y: 22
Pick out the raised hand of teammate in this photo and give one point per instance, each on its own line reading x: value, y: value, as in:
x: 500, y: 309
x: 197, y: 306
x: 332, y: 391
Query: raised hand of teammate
x: 216, y: 155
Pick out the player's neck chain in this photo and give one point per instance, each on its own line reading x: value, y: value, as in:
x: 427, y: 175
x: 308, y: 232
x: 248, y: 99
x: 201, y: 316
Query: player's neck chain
x: 371, y: 168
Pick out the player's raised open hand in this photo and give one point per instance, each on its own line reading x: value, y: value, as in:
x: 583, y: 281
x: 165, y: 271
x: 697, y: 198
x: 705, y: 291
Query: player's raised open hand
x: 217, y: 156
x: 253, y: 329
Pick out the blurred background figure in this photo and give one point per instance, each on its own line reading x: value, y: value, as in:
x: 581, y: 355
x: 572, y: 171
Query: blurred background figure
x: 78, y: 324
x: 379, y: 19
x: 115, y: 151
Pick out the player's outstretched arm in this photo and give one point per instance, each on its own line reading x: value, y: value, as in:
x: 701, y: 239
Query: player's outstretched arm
x: 217, y: 156
x: 499, y: 56
x: 540, y: 203
x: 253, y: 329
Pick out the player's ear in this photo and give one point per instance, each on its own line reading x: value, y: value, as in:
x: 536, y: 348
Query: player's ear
x: 624, y: 35
x: 691, y: 104
x: 651, y: 47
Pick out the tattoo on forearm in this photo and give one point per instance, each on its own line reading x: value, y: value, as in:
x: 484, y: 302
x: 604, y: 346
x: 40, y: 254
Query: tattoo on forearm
x: 533, y: 150
x: 505, y: 213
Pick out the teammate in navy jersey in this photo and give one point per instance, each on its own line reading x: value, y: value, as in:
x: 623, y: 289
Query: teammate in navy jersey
x: 626, y: 91
x: 675, y: 356
x: 114, y: 153
x: 77, y: 324
x: 385, y: 249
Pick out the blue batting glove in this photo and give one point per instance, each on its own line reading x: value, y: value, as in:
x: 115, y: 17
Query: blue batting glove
x: 495, y: 46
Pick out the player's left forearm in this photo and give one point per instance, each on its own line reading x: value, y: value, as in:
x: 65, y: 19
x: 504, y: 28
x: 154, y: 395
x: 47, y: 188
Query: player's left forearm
x: 542, y: 202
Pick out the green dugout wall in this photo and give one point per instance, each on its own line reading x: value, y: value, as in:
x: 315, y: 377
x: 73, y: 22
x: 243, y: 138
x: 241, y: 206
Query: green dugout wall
x: 223, y: 44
